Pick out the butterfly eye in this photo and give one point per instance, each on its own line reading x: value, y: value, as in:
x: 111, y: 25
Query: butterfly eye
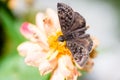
x: 61, y: 38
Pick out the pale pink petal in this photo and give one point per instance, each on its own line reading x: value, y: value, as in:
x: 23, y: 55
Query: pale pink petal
x: 34, y: 34
x: 54, y: 18
x: 27, y: 47
x: 47, y: 66
x: 57, y: 75
x: 66, y: 69
x: 49, y: 63
x: 33, y: 53
x: 65, y: 65
x: 51, y: 22
x: 39, y: 21
x: 34, y: 59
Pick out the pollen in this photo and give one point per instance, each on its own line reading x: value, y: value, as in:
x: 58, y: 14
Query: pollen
x: 54, y: 44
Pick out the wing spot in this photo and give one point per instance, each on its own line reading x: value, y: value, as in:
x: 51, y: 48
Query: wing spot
x: 69, y: 45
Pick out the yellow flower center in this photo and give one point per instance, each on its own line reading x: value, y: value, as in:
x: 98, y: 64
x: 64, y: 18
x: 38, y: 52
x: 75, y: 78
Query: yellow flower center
x: 54, y: 44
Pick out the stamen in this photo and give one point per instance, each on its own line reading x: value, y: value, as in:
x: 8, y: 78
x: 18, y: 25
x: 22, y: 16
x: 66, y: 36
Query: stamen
x: 56, y: 45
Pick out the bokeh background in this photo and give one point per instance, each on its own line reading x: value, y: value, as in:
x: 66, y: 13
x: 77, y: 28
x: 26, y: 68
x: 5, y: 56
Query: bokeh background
x: 103, y: 16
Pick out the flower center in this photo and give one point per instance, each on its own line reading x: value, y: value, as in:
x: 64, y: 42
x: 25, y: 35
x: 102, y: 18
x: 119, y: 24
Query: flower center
x: 55, y: 44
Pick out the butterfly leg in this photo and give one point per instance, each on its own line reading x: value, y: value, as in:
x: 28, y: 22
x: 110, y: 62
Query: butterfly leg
x: 84, y: 36
x: 81, y: 29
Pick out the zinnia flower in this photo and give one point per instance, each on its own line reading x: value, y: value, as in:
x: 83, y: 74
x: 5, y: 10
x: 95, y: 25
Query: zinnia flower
x: 43, y: 50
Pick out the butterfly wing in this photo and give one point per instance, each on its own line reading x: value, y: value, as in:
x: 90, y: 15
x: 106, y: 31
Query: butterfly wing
x: 78, y: 23
x: 66, y: 17
x: 69, y: 20
x: 80, y: 49
x: 72, y: 24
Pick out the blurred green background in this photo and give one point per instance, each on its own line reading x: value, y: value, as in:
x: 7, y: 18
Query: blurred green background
x: 102, y: 15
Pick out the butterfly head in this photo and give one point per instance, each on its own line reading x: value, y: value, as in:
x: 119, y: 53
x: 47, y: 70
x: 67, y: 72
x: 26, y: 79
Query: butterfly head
x: 61, y: 38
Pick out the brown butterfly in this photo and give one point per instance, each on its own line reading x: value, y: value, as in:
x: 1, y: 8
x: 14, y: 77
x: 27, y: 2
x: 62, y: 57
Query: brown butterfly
x: 73, y: 27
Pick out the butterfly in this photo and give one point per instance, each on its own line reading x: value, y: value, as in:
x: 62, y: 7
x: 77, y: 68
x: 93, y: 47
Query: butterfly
x: 73, y: 27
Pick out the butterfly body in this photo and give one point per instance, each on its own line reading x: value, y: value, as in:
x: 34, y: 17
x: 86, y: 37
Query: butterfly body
x: 73, y: 27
